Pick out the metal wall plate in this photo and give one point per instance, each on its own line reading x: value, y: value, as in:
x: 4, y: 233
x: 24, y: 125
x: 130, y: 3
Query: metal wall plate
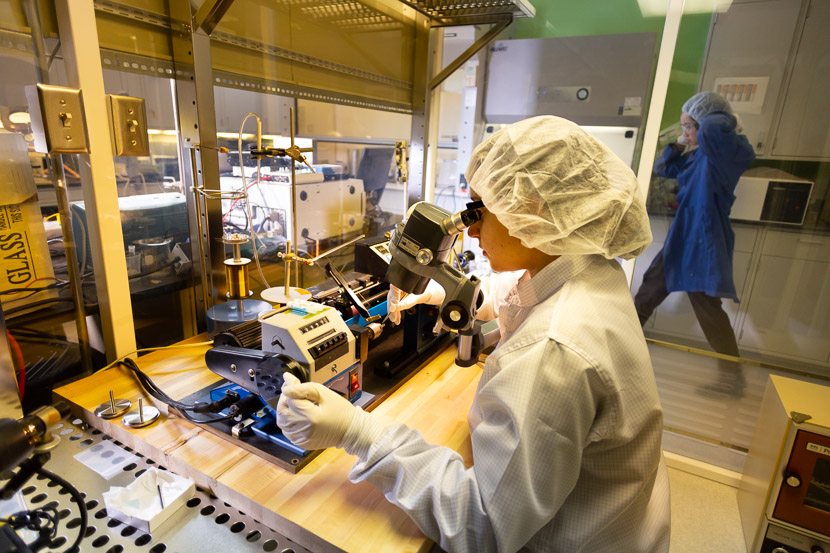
x: 128, y: 119
x: 58, y: 122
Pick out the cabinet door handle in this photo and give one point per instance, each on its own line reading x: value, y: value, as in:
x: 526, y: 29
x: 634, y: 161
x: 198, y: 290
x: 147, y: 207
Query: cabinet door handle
x: 808, y: 241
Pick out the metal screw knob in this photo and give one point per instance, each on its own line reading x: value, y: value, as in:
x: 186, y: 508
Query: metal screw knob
x: 792, y: 479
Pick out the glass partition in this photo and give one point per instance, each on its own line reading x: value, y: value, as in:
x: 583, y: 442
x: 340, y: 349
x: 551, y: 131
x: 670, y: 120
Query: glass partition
x: 743, y: 207
x: 341, y: 82
x: 593, y: 68
x: 36, y: 288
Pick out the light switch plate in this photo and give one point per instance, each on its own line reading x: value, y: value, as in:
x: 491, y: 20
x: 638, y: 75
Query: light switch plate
x: 58, y: 122
x: 128, y: 119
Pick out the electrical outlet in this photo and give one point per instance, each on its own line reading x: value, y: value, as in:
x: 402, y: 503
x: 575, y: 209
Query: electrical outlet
x: 58, y: 123
x: 128, y: 119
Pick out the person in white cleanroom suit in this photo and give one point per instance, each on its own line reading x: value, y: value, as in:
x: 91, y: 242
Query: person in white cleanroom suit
x: 566, y: 423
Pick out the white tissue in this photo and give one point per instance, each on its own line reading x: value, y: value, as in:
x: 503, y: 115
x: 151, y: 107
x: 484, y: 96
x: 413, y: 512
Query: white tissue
x: 138, y: 504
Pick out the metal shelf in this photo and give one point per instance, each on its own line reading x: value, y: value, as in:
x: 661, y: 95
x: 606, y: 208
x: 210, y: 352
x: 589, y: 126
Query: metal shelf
x: 446, y: 11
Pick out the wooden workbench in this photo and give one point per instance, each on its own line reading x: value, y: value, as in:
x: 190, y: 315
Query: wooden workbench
x: 318, y: 507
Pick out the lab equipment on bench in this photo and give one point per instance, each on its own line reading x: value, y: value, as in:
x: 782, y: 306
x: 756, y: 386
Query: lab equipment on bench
x: 240, y: 307
x: 327, y: 340
x: 420, y: 247
x: 310, y: 340
x: 784, y: 494
x: 770, y: 195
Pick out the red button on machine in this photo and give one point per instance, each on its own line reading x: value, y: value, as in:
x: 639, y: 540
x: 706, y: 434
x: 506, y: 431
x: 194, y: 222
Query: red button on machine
x: 355, y: 385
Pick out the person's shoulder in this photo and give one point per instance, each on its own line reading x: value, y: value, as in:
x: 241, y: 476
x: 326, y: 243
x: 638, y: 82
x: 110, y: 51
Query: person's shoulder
x: 589, y: 298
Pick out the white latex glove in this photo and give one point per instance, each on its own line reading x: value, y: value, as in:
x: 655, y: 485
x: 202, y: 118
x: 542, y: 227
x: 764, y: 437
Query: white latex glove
x: 311, y: 415
x: 682, y: 140
x: 433, y: 295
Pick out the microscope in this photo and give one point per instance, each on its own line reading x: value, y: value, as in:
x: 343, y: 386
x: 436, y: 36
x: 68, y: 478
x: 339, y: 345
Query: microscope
x: 420, y: 247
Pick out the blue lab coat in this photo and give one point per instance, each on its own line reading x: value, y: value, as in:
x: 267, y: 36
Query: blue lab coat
x: 697, y: 254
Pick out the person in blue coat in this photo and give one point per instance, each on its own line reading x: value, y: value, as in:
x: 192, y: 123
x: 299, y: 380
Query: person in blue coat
x: 707, y: 161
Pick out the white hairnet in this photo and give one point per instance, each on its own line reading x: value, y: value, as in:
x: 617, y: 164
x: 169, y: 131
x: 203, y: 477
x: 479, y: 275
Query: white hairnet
x: 703, y: 103
x: 559, y: 190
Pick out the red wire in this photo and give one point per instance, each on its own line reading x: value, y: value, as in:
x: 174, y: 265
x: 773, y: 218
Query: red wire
x: 21, y: 381
x: 228, y: 212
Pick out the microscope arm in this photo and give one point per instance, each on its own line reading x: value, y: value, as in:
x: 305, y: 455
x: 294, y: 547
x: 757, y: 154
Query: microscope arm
x: 462, y: 297
x: 462, y: 294
x: 472, y: 342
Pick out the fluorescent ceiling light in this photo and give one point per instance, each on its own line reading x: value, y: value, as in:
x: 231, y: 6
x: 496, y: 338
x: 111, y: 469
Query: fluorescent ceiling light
x: 657, y: 8
x: 245, y: 136
x: 20, y: 118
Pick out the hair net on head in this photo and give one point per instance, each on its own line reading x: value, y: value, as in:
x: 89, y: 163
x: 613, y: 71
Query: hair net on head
x: 703, y: 103
x: 559, y: 190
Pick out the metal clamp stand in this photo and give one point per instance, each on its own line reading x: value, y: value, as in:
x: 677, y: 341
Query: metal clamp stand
x: 296, y: 154
x: 143, y: 416
x: 113, y: 408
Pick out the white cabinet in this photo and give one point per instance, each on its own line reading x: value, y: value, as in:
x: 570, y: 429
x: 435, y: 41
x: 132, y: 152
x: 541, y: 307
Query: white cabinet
x: 752, y: 40
x: 789, y: 307
x: 783, y: 281
x: 805, y: 119
x: 784, y: 48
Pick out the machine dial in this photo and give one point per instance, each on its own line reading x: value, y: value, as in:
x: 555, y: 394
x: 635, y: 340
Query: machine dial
x: 792, y: 479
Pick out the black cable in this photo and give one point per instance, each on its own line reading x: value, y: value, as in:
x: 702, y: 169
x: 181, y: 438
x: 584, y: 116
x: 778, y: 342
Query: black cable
x: 33, y: 290
x: 42, y: 340
x: 152, y: 389
x: 26, y: 331
x: 43, y: 520
x: 13, y: 310
x: 79, y: 499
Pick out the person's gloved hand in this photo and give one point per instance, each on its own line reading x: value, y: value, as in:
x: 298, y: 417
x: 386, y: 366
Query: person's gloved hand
x: 433, y: 295
x: 311, y: 415
x: 682, y: 140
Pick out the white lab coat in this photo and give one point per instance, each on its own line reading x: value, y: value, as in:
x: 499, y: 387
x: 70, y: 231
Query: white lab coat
x: 566, y: 430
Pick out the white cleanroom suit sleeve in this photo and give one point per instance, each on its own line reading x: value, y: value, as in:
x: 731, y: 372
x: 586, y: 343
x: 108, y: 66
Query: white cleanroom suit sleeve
x: 565, y: 431
x: 495, y: 288
x: 527, y: 457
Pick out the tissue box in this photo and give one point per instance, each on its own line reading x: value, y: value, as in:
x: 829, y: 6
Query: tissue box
x: 138, y: 504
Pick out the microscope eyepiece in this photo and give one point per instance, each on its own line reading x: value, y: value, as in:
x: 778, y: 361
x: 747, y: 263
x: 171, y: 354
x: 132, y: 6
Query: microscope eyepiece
x: 457, y: 222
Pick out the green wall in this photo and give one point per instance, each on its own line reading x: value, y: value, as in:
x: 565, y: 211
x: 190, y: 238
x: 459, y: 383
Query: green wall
x: 558, y: 18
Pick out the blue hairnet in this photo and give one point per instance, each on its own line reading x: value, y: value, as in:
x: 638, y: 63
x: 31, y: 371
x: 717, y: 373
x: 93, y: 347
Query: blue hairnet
x: 559, y: 190
x: 703, y: 103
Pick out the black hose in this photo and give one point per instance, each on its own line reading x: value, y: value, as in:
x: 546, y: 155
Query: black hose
x: 79, y: 499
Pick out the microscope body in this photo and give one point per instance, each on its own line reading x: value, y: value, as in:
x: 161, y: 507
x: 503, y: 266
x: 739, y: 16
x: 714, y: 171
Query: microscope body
x: 420, y: 247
